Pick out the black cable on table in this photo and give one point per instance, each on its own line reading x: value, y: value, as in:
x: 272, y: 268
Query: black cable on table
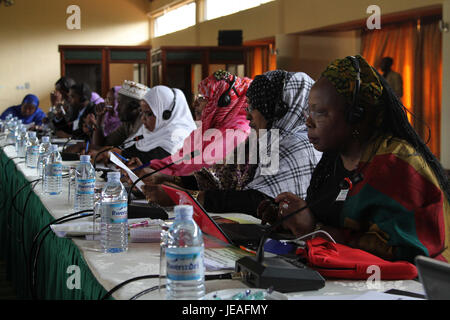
x: 225, y: 276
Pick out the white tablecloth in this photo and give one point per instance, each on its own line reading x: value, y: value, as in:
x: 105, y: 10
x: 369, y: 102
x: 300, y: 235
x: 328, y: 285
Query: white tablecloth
x: 143, y: 259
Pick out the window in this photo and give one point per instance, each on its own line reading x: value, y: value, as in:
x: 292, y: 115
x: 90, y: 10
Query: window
x: 219, y: 8
x: 174, y: 20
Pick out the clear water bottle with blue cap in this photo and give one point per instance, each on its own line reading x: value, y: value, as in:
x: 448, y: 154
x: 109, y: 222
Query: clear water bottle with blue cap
x: 32, y: 150
x: 21, y: 142
x: 52, y: 168
x: 184, y: 257
x: 84, y: 184
x: 114, y: 215
x: 44, y: 150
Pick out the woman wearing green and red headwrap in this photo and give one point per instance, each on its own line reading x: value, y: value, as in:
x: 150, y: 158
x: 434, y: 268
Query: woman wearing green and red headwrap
x: 400, y: 209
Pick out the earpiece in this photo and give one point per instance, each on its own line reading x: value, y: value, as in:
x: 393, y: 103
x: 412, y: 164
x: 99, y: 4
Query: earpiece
x: 168, y: 113
x: 225, y: 99
x: 356, y: 113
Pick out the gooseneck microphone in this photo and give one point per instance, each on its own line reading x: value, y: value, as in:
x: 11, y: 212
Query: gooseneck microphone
x: 277, y: 273
x: 137, y: 138
x: 189, y: 156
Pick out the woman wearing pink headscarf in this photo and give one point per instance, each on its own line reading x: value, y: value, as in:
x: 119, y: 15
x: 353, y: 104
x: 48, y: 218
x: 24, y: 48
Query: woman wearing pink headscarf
x: 224, y: 126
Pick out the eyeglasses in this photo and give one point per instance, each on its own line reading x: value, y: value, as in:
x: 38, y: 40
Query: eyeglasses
x: 200, y: 98
x: 314, y: 115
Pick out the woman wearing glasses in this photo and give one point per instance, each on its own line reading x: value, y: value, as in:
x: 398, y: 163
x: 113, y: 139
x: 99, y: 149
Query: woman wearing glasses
x: 400, y: 208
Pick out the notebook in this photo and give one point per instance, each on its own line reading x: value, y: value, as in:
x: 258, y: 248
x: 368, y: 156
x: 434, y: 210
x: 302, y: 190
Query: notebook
x: 247, y: 235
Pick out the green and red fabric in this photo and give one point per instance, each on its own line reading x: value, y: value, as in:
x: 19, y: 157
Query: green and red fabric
x: 399, y: 210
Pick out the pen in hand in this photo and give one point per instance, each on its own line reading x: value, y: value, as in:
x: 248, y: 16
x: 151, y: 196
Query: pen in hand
x: 123, y: 158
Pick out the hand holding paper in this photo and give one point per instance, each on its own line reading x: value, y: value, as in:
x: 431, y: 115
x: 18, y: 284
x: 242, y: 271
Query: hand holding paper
x: 130, y: 173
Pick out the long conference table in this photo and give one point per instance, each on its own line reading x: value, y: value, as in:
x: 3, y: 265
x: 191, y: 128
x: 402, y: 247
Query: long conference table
x: 75, y: 268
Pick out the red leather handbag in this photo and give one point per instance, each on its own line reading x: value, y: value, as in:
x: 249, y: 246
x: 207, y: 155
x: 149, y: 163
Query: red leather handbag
x: 338, y: 261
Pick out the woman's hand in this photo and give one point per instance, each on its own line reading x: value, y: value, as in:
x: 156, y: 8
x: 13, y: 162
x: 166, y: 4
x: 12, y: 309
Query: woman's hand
x: 301, y: 223
x: 91, y: 120
x: 268, y: 212
x: 155, y: 193
x: 100, y: 110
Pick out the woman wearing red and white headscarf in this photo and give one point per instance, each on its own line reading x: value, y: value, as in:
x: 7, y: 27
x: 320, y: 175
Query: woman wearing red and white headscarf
x: 222, y: 128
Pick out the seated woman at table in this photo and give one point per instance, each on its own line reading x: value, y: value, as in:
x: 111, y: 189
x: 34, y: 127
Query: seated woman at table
x: 400, y: 209
x: 217, y: 119
x: 224, y: 126
x: 107, y: 113
x: 277, y: 100
x: 28, y: 111
x: 167, y: 121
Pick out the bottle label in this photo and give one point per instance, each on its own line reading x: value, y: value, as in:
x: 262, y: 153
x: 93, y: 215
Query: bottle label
x: 54, y: 170
x: 85, y: 186
x: 115, y: 212
x: 34, y: 150
x: 185, y: 266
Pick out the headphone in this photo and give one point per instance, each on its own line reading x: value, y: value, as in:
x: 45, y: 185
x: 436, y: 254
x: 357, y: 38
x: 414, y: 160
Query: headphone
x: 225, y: 99
x: 355, y: 113
x: 168, y: 113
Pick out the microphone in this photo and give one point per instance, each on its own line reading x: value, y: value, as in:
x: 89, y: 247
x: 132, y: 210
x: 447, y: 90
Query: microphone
x: 137, y: 138
x: 189, y: 156
x: 65, y: 143
x: 277, y: 273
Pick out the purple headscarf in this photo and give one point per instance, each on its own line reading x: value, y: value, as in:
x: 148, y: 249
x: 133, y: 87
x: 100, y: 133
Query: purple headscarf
x: 111, y: 120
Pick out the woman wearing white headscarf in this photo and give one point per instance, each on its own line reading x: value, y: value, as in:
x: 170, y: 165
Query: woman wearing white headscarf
x: 167, y: 121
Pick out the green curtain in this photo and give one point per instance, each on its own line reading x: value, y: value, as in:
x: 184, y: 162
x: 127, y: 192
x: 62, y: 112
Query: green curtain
x: 17, y: 231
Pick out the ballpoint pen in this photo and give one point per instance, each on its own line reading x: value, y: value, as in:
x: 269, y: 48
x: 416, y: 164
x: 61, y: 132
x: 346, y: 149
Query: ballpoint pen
x: 123, y: 158
x: 87, y: 147
x: 140, y: 224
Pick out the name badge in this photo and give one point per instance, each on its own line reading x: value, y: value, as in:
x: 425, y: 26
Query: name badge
x: 342, y: 196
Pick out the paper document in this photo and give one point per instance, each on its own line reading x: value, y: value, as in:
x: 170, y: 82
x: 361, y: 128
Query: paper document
x: 130, y: 173
x: 222, y: 259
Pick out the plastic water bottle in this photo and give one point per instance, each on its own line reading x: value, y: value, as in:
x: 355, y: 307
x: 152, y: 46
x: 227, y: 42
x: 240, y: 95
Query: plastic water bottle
x: 84, y: 184
x: 44, y: 150
x: 184, y: 257
x: 12, y: 127
x: 114, y: 215
x: 21, y: 142
x: 32, y: 150
x: 52, y: 168
x: 17, y: 133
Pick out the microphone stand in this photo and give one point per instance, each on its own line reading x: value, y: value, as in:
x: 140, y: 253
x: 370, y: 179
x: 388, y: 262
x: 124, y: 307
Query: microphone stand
x: 187, y: 157
x: 280, y: 274
x: 119, y: 146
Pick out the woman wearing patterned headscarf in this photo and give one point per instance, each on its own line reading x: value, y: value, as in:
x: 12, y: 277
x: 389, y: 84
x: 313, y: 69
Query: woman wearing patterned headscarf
x: 400, y: 208
x: 213, y: 145
x: 277, y: 100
